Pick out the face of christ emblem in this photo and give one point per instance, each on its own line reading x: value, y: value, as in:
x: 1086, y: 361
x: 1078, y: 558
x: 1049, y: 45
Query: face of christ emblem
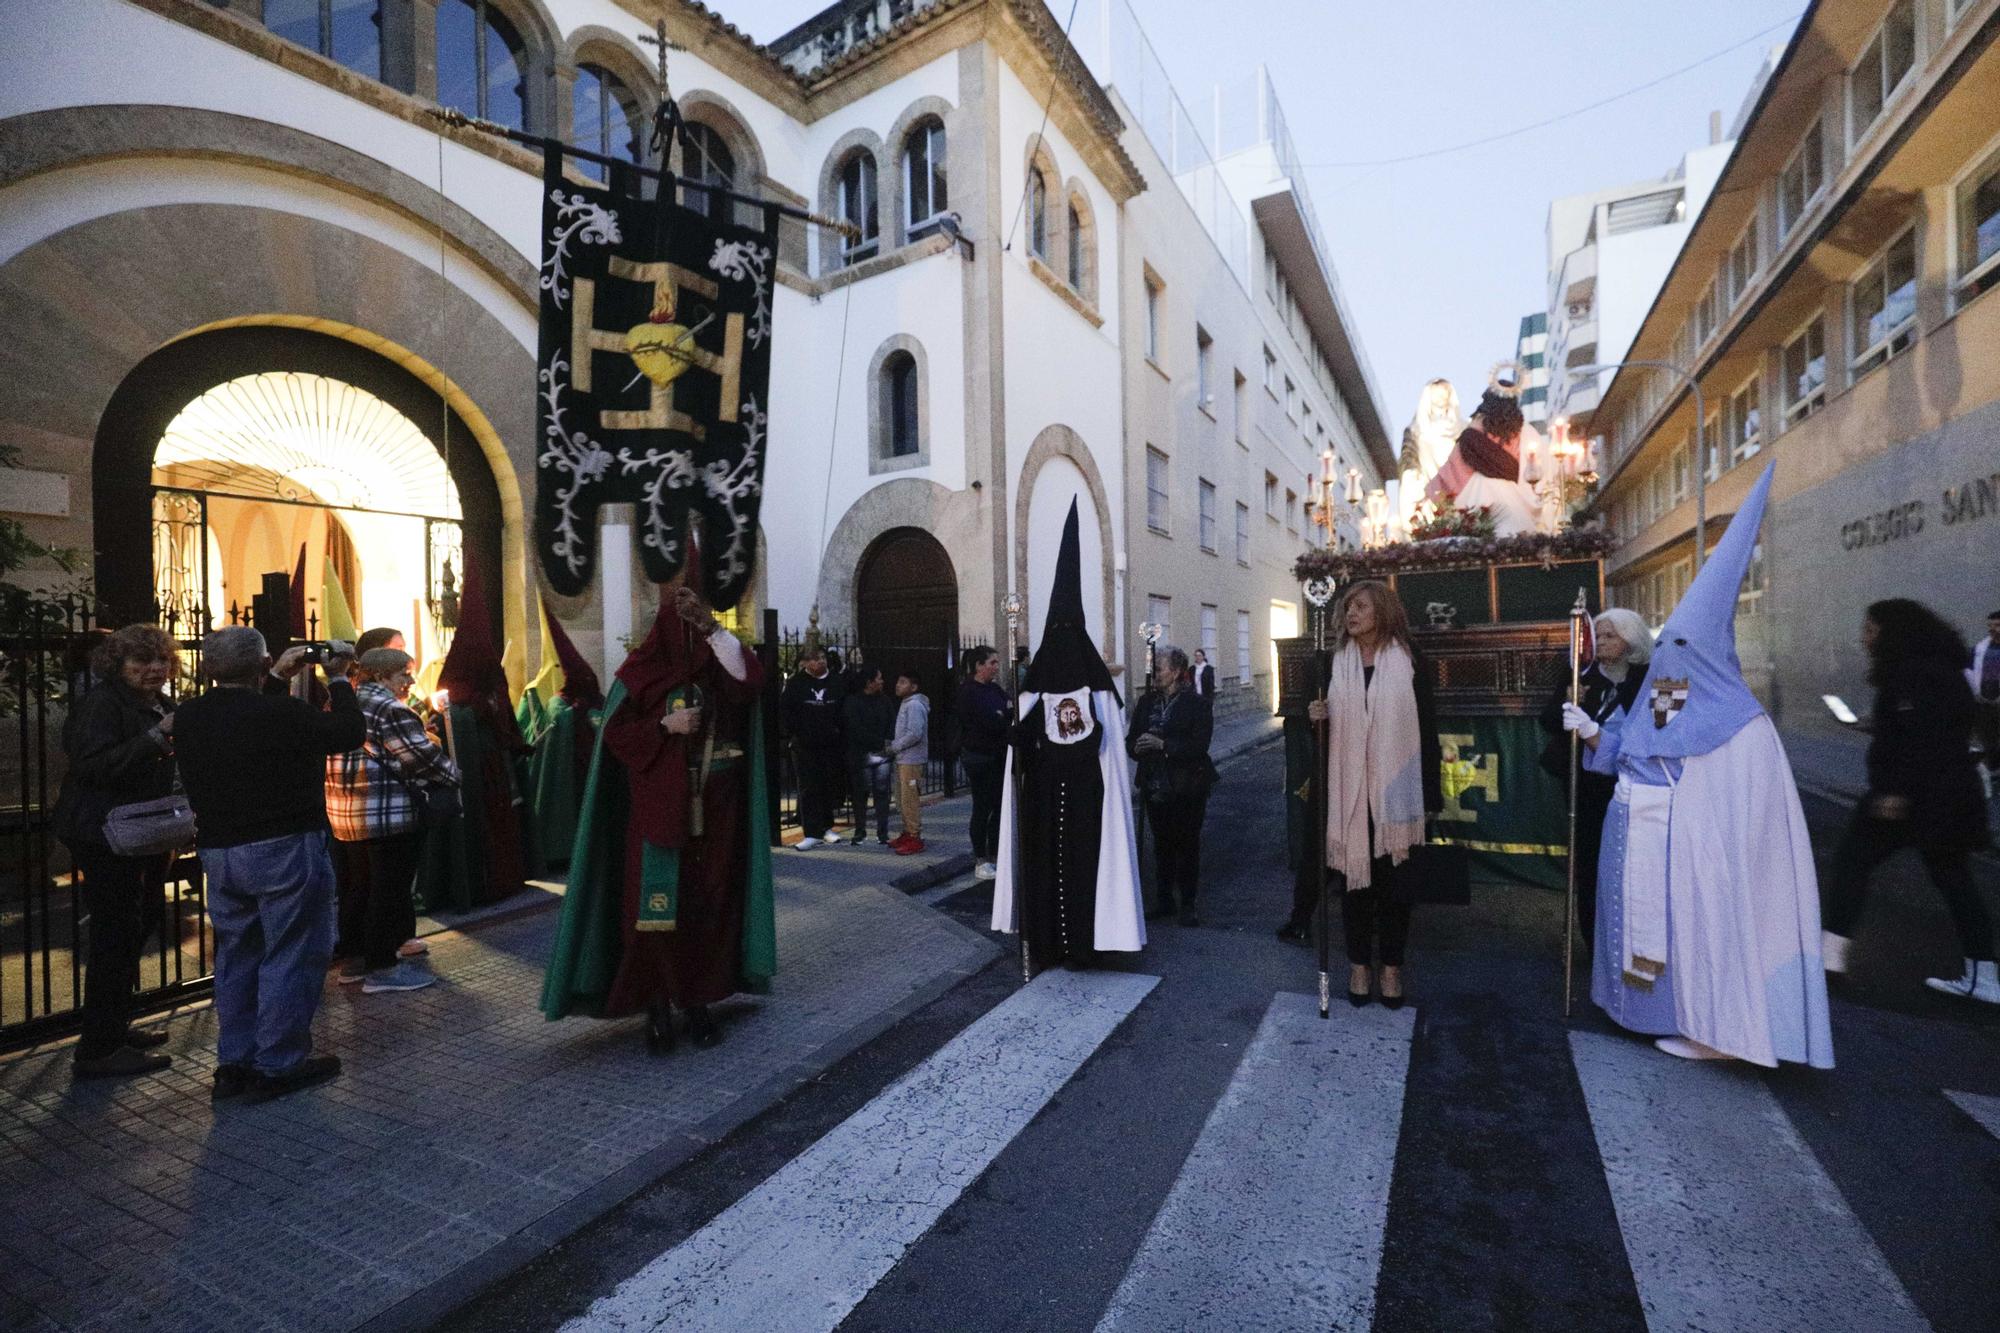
x: 1069, y: 719
x: 1669, y: 697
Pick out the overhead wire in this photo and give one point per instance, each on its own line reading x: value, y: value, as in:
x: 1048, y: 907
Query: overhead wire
x: 1055, y: 80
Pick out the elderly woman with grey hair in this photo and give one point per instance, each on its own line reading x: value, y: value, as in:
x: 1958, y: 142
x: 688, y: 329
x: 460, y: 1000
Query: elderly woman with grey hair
x: 375, y: 798
x: 1169, y: 737
x: 1608, y: 685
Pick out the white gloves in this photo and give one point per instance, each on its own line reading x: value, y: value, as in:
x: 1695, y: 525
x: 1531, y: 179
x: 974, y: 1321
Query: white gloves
x: 1580, y: 722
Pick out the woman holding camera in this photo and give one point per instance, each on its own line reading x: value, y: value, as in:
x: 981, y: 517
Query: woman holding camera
x: 375, y: 805
x: 120, y: 743
x: 1382, y: 779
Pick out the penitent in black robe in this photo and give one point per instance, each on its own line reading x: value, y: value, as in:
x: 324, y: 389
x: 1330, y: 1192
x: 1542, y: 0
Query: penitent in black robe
x: 1061, y: 814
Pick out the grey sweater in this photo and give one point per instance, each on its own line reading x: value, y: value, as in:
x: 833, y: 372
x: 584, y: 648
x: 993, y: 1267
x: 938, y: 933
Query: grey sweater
x: 912, y: 742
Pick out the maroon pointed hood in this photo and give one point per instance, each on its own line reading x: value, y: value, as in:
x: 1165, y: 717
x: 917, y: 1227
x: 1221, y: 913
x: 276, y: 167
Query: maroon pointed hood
x: 473, y: 671
x: 580, y: 683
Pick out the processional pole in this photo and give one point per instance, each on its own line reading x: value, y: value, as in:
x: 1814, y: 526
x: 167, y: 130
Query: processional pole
x: 1319, y: 592
x: 1578, y: 613
x: 1013, y: 607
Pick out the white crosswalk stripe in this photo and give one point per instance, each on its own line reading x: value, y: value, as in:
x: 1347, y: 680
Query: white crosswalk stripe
x: 1981, y: 1107
x: 1304, y: 1138
x: 1728, y: 1219
x: 802, y: 1249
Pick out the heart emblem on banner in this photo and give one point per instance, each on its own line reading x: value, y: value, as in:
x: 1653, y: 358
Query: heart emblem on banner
x: 659, y: 350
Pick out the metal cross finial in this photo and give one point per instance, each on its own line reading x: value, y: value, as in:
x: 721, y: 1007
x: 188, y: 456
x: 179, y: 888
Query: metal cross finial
x: 658, y: 37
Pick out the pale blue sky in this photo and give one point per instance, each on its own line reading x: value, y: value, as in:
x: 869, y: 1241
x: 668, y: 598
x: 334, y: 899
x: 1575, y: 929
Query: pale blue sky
x: 1440, y: 258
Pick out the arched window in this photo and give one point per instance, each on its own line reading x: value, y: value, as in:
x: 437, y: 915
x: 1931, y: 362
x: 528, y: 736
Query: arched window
x: 924, y: 178
x: 481, y: 63
x: 1076, y: 244
x: 347, y: 31
x: 605, y: 118
x: 1038, y: 213
x: 857, y: 206
x: 899, y: 404
x: 709, y: 161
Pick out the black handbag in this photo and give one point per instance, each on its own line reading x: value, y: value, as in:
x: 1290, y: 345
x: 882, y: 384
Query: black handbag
x: 1436, y: 874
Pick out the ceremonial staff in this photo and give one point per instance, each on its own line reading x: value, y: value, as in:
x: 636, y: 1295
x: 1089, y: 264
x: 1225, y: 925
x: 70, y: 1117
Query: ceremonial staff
x: 1318, y: 593
x: 1579, y: 615
x: 1013, y: 607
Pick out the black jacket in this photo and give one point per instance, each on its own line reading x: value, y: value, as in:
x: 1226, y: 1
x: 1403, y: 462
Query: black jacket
x: 114, y: 758
x: 867, y: 721
x: 1601, y: 699
x: 254, y: 765
x: 982, y: 719
x: 1428, y: 745
x: 1187, y: 727
x: 1920, y: 751
x: 811, y: 710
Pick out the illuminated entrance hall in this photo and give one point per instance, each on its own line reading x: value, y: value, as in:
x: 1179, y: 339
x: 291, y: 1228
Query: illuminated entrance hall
x: 281, y: 471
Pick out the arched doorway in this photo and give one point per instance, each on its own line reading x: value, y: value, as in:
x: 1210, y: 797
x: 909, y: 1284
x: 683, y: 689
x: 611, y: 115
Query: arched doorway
x: 242, y: 448
x: 906, y: 614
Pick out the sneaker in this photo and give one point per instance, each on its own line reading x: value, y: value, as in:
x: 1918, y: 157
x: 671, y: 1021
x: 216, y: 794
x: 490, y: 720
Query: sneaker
x: 909, y: 846
x: 353, y: 971
x: 231, y: 1081
x: 985, y: 870
x: 1980, y: 982
x: 312, y: 1070
x: 806, y: 844
x: 858, y: 839
x: 884, y: 842
x: 403, y: 976
x: 412, y: 949
x: 122, y: 1063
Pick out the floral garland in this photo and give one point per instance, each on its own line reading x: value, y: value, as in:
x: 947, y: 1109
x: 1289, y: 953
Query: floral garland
x: 1456, y: 553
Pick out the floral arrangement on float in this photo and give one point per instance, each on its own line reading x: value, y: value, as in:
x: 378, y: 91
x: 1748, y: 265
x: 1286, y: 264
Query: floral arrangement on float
x: 1456, y: 550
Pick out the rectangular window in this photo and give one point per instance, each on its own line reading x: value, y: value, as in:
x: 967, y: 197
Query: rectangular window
x: 1156, y: 490
x: 1801, y: 181
x: 1243, y: 647
x: 1884, y: 63
x: 1656, y: 488
x: 1270, y: 496
x: 1746, y: 426
x: 1805, y: 373
x: 1291, y: 511
x: 1160, y: 611
x: 1712, y: 446
x: 1705, y: 315
x: 1291, y: 399
x: 1242, y: 533
x: 1885, y: 305
x: 1152, y: 321
x: 1211, y: 646
x: 1978, y: 221
x: 1743, y: 261
x: 1271, y: 372
x: 1682, y: 472
x: 924, y: 178
x: 1242, y: 410
x: 1204, y: 369
x: 1207, y: 492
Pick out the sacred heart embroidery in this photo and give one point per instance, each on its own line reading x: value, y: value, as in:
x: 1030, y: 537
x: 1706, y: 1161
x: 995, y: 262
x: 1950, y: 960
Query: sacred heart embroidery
x: 659, y: 349
x: 1669, y: 697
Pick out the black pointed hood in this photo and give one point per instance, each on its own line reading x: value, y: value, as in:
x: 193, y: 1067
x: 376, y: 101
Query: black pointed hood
x: 1066, y: 659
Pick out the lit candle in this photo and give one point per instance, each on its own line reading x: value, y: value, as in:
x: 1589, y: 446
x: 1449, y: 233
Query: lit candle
x: 1354, y: 485
x: 1329, y: 468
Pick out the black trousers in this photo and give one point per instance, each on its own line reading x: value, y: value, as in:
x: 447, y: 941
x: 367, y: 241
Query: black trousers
x: 115, y: 889
x: 1375, y: 923
x: 860, y: 786
x: 819, y: 778
x: 1590, y: 814
x: 1870, y: 841
x: 986, y: 773
x: 1177, y: 849
x: 377, y: 878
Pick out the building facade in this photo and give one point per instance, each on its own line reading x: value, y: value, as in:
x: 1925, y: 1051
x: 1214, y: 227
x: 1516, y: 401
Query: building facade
x: 1832, y: 301
x: 261, y: 300
x: 1531, y: 349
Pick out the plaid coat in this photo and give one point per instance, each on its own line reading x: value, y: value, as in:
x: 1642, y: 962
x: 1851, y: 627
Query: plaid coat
x: 371, y: 792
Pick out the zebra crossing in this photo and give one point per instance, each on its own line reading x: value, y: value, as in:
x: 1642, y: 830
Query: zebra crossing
x: 1278, y: 1216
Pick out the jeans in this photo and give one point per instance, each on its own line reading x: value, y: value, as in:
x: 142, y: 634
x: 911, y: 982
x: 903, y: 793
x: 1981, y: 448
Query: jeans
x: 271, y: 906
x: 1177, y: 849
x: 985, y: 772
x: 115, y: 889
x: 819, y: 777
x: 861, y: 785
x: 377, y: 907
x: 1869, y: 842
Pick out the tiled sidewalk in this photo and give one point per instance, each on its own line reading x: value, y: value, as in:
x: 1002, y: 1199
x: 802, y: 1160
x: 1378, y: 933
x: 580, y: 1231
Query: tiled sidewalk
x: 466, y: 1135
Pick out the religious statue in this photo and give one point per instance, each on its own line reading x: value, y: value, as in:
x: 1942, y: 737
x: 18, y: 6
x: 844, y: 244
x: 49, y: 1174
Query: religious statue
x: 1484, y: 470
x: 1427, y: 443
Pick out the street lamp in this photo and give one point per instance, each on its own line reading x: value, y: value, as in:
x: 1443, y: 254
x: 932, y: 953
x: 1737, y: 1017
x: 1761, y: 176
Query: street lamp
x: 1700, y: 445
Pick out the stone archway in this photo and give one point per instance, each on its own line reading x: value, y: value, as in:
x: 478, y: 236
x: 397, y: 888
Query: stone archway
x: 906, y: 606
x: 1061, y: 442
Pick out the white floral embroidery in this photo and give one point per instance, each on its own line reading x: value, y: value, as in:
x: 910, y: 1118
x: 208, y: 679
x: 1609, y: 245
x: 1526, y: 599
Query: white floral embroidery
x: 581, y: 220
x: 740, y: 260
x: 735, y: 488
x: 574, y: 454
x: 673, y: 469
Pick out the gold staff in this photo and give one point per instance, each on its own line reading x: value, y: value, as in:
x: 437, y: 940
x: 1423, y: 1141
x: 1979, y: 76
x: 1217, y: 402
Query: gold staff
x: 1577, y: 615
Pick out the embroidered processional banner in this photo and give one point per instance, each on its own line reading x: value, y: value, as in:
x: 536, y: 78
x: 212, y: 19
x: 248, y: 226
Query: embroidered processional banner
x: 654, y: 372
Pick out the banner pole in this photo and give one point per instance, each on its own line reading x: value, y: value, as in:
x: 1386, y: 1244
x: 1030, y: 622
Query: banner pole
x: 1576, y: 615
x: 1318, y: 594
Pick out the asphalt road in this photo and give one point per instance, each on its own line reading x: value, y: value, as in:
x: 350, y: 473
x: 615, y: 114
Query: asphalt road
x: 1527, y: 1154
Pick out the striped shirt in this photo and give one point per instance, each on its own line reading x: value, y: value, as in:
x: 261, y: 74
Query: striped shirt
x: 371, y: 792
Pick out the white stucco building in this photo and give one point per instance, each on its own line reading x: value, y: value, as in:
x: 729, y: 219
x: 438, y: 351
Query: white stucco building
x: 249, y: 205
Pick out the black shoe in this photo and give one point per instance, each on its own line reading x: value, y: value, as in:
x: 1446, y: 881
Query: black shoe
x: 1392, y: 1001
x: 1360, y: 999
x: 702, y: 1029
x: 1190, y: 918
x: 1294, y: 933
x: 122, y: 1063
x: 660, y: 1036
x: 145, y: 1039
x: 312, y: 1070
x: 231, y: 1081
